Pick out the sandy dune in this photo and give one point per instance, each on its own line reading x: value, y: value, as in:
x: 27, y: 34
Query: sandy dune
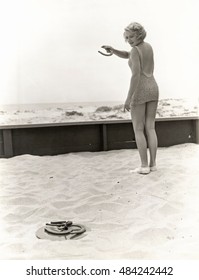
x: 128, y: 216
x: 20, y: 114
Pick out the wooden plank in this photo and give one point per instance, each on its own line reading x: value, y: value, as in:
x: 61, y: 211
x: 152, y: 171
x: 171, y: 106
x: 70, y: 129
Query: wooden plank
x: 91, y: 123
x: 117, y: 145
x: 56, y: 140
x: 120, y: 136
x: 174, y: 133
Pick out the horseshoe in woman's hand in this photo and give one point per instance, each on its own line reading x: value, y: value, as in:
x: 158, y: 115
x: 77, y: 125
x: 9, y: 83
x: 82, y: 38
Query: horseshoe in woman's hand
x: 109, y: 51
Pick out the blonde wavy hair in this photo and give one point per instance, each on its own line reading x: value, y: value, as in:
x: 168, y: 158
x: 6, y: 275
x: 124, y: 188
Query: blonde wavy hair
x: 136, y: 28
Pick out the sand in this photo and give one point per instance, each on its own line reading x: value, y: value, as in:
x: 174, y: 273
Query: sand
x: 128, y: 216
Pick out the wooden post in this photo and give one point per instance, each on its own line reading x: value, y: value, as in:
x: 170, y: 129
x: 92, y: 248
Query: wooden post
x: 104, y: 137
x: 7, y: 143
x: 197, y: 131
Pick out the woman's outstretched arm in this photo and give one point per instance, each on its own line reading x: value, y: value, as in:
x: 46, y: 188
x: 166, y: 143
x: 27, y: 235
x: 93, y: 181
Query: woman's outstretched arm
x: 122, y: 54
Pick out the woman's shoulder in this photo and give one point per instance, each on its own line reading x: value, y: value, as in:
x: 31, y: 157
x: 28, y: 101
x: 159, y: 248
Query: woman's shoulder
x: 148, y: 46
x: 145, y: 45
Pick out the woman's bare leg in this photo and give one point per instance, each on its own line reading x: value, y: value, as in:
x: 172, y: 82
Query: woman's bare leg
x: 151, y: 108
x: 138, y: 120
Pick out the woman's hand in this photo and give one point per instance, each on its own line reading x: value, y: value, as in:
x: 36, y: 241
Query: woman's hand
x: 109, y: 49
x: 127, y: 105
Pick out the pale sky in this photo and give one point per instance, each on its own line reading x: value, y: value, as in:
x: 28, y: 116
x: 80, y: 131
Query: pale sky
x: 49, y: 48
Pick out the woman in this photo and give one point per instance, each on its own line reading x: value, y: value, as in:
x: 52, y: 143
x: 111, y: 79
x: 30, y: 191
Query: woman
x: 143, y: 94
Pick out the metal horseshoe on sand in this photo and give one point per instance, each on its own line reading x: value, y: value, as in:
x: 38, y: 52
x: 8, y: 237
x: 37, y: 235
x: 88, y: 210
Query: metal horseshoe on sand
x: 61, y: 230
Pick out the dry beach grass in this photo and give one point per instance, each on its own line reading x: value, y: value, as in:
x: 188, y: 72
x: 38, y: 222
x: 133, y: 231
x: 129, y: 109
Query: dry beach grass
x: 81, y: 112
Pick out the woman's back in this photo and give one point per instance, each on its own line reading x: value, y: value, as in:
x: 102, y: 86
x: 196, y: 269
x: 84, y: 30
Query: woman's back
x: 147, y: 88
x: 146, y: 58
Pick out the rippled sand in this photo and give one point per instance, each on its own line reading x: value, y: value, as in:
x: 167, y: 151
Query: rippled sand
x: 128, y: 216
